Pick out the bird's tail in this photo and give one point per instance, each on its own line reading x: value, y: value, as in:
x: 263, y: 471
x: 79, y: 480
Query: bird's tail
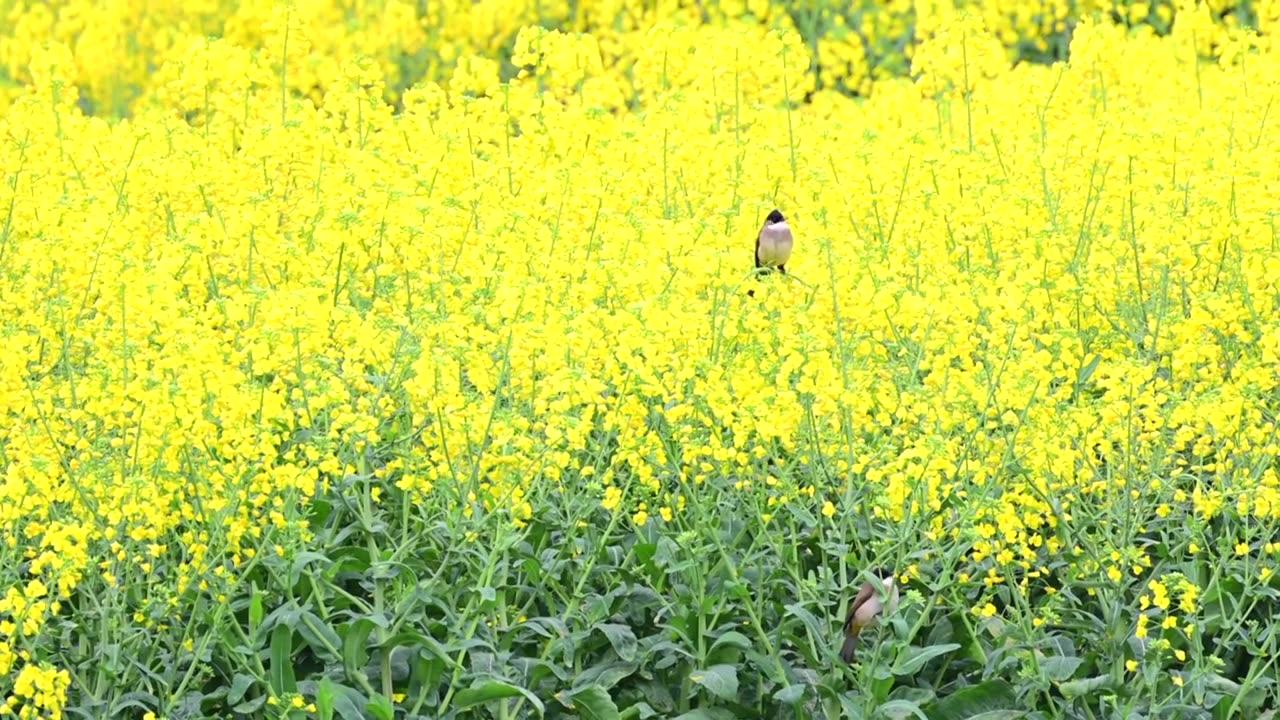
x: 847, y: 650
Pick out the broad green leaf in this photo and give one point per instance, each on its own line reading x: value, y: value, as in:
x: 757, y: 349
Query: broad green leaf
x: 413, y: 638
x: 494, y: 690
x: 918, y: 695
x: 719, y: 680
x: 146, y: 702
x: 850, y: 708
x: 355, y: 649
x: 249, y: 707
x: 188, y: 706
x: 591, y: 702
x: 282, y: 679
x: 732, y: 638
x: 326, y: 691
x: 899, y: 709
x: 645, y: 551
x: 640, y: 711
x: 1087, y: 371
x: 348, y: 703
x: 809, y: 619
x: 914, y: 658
x: 606, y: 675
x: 789, y: 694
x: 1087, y: 686
x: 380, y: 707
x: 301, y: 560
x: 239, y: 686
x: 621, y: 638
x: 256, y: 612
x: 1059, y: 668
x: 707, y: 714
x: 547, y: 627
x: 323, y: 640
x: 974, y: 701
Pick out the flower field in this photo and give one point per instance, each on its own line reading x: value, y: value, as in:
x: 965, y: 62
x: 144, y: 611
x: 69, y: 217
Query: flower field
x: 408, y: 360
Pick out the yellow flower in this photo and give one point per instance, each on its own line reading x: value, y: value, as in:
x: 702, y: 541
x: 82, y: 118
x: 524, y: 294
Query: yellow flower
x: 1160, y: 594
x: 828, y: 509
x: 612, y: 496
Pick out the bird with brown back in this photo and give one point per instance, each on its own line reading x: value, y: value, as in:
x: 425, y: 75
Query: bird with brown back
x: 866, y: 609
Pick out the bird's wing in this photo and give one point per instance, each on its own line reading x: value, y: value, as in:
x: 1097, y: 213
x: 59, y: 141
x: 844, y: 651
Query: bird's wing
x: 865, y: 593
x: 758, y: 236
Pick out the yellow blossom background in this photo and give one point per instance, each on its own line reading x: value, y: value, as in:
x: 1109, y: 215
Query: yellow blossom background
x: 295, y: 292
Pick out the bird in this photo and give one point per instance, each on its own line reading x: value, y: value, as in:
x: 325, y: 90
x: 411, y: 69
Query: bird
x: 773, y: 244
x: 866, y: 609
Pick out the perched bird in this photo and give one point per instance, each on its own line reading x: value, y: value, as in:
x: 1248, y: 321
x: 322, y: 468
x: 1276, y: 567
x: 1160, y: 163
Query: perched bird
x: 866, y: 609
x: 773, y: 244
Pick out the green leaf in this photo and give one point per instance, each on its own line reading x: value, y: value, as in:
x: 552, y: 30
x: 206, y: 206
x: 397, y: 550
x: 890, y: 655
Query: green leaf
x: 809, y: 619
x: 591, y: 702
x: 355, y: 649
x: 719, y: 680
x: 494, y: 690
x: 1059, y: 668
x: 975, y: 701
x: 348, y: 703
x: 917, y: 695
x: 281, y: 675
x: 1087, y: 686
x: 898, y: 709
x: 322, y: 639
x: 326, y: 691
x: 143, y: 701
x: 249, y: 707
x: 645, y: 551
x: 732, y: 638
x: 413, y: 638
x: 621, y: 638
x: 256, y: 612
x: 606, y: 675
x: 641, y: 711
x: 789, y: 694
x: 240, y: 684
x: 914, y: 658
x: 707, y: 714
x: 1087, y: 371
x: 380, y: 707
